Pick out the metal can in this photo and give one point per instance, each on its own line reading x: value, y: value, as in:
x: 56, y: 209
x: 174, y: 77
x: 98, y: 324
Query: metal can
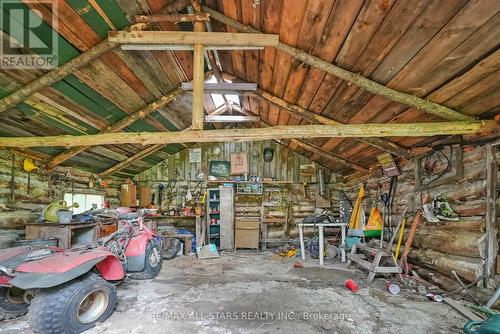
x: 393, y: 288
x: 436, y: 298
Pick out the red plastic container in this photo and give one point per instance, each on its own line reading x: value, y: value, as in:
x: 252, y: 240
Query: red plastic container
x: 351, y: 285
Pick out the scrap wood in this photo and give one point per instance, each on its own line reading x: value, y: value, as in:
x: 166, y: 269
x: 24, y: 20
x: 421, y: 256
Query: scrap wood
x: 462, y: 309
x: 454, y: 273
x: 409, y: 241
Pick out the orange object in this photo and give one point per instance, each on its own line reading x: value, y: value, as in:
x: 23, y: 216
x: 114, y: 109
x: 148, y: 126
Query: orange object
x: 375, y: 220
x: 351, y: 285
x: 298, y: 264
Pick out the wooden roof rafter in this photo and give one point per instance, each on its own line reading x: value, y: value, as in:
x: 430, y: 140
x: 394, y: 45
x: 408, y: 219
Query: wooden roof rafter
x: 371, y: 86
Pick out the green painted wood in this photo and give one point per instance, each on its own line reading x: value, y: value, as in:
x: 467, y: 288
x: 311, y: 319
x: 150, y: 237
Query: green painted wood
x: 91, y: 17
x: 114, y: 13
x: 163, y: 120
x: 65, y: 50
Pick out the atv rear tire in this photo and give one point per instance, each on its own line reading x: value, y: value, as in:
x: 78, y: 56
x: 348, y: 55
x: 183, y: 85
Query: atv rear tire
x: 12, y: 303
x: 174, y: 247
x: 152, y: 262
x: 72, y: 307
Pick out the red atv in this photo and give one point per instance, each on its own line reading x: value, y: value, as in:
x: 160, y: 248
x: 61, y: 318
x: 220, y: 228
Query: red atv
x: 68, y: 291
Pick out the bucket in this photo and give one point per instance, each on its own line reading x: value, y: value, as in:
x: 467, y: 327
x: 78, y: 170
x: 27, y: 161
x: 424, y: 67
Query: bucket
x: 65, y: 216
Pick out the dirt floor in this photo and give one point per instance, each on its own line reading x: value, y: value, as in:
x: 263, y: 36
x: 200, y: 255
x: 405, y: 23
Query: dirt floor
x: 243, y: 292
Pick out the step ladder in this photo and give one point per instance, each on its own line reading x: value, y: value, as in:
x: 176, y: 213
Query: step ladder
x: 374, y: 267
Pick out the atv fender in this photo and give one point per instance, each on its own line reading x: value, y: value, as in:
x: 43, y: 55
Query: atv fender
x: 136, y: 252
x: 63, y: 267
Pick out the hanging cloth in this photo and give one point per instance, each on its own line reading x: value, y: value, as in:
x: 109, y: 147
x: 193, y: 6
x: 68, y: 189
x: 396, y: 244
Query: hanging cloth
x: 375, y: 220
x: 358, y: 217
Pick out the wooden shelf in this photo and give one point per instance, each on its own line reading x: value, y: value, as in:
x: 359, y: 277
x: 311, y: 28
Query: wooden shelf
x: 275, y: 220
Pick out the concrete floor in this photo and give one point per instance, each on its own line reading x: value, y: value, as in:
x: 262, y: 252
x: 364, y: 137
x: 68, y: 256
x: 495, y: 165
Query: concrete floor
x: 247, y: 293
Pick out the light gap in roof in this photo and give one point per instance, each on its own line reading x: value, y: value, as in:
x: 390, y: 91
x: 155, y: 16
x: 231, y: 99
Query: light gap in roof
x: 233, y: 98
x: 218, y: 100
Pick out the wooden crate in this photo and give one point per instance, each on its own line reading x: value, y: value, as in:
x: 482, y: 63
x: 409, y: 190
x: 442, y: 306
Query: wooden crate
x: 247, y: 234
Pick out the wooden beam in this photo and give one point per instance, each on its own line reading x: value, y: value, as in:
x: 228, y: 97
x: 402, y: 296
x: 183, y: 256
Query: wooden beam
x: 138, y: 156
x: 190, y: 38
x: 351, y: 77
x: 74, y: 64
x: 379, y: 143
x: 175, y: 18
x: 230, y: 118
x: 117, y: 127
x: 256, y: 134
x: 170, y: 47
x: 223, y: 86
x: 198, y: 78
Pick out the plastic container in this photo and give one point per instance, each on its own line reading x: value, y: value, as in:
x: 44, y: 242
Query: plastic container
x: 65, y: 216
x: 488, y: 326
x: 351, y: 285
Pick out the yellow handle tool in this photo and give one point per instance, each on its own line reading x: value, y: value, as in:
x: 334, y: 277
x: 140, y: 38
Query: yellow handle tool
x: 400, y: 239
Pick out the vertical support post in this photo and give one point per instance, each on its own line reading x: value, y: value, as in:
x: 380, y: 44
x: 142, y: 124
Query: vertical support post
x: 342, y: 246
x: 302, y: 247
x: 321, y: 244
x: 491, y: 226
x: 198, y: 75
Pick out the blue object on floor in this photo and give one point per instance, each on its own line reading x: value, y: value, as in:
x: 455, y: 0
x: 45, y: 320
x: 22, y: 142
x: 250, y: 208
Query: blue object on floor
x: 488, y: 326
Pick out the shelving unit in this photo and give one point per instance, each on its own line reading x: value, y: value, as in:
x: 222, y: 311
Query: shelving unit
x: 213, y: 216
x: 275, y: 210
x: 220, y: 217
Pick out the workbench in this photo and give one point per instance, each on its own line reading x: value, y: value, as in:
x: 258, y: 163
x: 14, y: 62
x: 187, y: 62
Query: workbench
x: 320, y: 227
x: 68, y: 235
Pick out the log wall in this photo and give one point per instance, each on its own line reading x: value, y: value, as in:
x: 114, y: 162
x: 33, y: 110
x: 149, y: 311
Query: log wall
x: 52, y: 186
x: 444, y: 246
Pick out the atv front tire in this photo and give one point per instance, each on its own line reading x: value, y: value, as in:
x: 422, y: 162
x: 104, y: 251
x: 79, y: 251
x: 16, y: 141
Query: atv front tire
x: 152, y: 263
x: 73, y: 307
x: 12, y: 303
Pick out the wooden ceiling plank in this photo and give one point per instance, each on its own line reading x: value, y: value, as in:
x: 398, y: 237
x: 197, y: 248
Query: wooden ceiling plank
x: 354, y: 78
x: 125, y: 122
x: 472, y: 16
x: 233, y: 9
x: 250, y: 15
x: 128, y: 70
x: 69, y: 67
x: 336, y: 30
x: 57, y: 74
x: 383, y: 41
x: 270, y: 24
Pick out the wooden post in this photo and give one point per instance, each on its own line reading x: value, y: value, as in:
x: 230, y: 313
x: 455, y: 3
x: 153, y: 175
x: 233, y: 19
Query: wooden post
x: 198, y: 76
x: 354, y: 78
x: 491, y: 250
x: 117, y: 127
